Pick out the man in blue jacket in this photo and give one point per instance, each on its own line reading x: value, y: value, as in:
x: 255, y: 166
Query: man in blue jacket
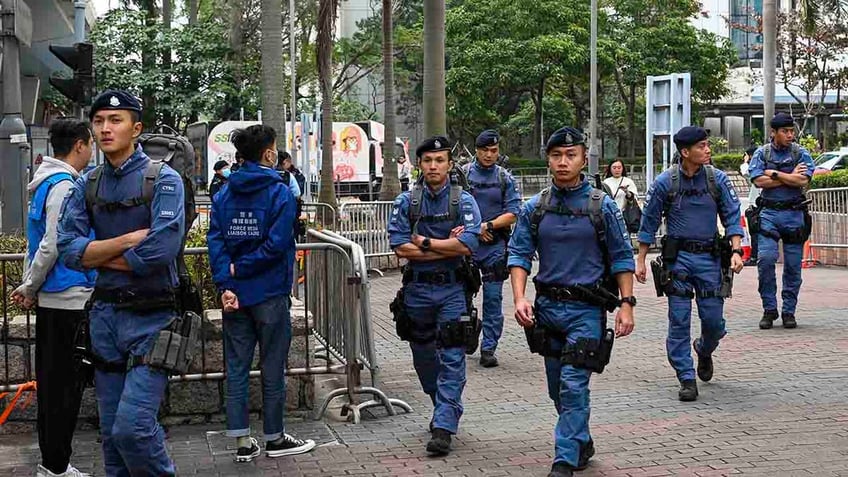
x: 61, y: 294
x: 691, y: 196
x: 583, y: 246
x: 496, y: 193
x: 781, y: 169
x: 251, y: 251
x: 434, y: 227
x: 135, y: 208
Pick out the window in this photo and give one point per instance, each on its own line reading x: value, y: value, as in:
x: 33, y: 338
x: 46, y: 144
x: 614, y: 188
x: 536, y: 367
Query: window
x: 744, y: 15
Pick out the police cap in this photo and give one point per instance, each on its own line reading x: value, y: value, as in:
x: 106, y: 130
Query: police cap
x: 782, y: 120
x: 565, y: 137
x: 220, y: 165
x: 487, y: 138
x: 432, y: 144
x: 689, y: 136
x: 115, y: 99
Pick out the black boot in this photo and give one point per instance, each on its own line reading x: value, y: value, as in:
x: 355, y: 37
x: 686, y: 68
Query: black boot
x: 560, y: 469
x: 768, y: 318
x: 487, y: 359
x: 705, y: 364
x: 789, y: 320
x: 440, y: 443
x: 688, y: 390
x: 586, y: 453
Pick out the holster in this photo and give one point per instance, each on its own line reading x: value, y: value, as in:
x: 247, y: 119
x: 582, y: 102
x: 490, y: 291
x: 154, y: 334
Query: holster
x: 590, y: 354
x: 497, y: 273
x: 540, y: 341
x: 471, y: 276
x: 403, y: 323
x: 662, y: 278
x: 752, y: 216
x: 670, y: 249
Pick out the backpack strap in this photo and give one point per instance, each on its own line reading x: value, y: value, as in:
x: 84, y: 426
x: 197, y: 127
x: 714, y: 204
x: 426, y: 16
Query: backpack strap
x: 150, y: 176
x: 674, y: 190
x: 539, y: 212
x: 596, y: 216
x: 415, y: 197
x: 712, y: 186
x: 796, y: 153
x: 453, y: 206
x: 92, y: 187
x: 503, y: 182
x: 767, y: 153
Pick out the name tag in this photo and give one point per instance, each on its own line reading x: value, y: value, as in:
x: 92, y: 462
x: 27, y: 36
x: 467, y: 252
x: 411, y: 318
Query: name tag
x: 167, y: 213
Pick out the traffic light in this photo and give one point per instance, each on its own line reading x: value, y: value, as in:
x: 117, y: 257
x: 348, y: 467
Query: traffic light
x: 79, y: 58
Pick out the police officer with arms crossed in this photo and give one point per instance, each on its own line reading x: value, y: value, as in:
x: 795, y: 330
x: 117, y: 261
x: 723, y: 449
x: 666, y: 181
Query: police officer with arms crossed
x: 497, y: 195
x: 434, y: 227
x: 583, y: 248
x: 134, y: 250
x: 690, y: 196
x: 781, y: 169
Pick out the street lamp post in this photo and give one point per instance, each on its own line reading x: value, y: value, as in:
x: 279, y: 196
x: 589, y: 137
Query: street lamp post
x: 594, y: 153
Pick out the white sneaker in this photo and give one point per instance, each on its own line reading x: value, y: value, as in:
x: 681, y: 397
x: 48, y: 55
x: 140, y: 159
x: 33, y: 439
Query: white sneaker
x: 71, y: 471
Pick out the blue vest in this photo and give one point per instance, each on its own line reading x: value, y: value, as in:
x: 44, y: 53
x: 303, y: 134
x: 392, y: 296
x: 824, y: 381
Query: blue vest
x: 60, y: 277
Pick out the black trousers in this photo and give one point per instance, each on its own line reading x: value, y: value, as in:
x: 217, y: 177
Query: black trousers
x: 59, y: 388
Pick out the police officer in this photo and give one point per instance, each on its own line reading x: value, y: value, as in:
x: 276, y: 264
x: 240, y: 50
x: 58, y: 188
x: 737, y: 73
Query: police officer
x: 580, y: 236
x: 434, y: 242
x: 222, y: 173
x: 781, y: 169
x: 691, y: 195
x: 134, y: 251
x: 497, y: 195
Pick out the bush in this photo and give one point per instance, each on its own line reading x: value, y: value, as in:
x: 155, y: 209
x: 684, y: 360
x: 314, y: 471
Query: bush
x: 830, y: 180
x: 728, y: 162
x: 12, y: 272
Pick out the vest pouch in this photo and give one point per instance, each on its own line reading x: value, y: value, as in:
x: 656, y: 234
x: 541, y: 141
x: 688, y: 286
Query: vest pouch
x: 752, y: 216
x: 403, y: 323
x: 670, y: 249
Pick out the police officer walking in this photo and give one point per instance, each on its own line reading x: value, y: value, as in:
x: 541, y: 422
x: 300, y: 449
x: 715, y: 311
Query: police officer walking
x: 434, y: 227
x: 690, y: 196
x: 496, y: 193
x: 585, y: 261
x: 135, y: 209
x: 781, y: 169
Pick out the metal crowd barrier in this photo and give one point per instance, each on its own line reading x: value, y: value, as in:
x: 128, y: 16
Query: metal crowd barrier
x: 829, y: 237
x: 319, y: 213
x: 337, y: 322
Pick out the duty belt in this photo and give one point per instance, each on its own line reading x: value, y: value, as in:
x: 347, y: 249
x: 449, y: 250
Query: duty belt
x: 564, y: 293
x: 130, y: 298
x: 696, y: 246
x: 445, y: 277
x: 781, y: 205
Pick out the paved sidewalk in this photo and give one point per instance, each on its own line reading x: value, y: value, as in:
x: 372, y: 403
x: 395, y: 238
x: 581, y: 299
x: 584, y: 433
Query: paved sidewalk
x: 778, y: 405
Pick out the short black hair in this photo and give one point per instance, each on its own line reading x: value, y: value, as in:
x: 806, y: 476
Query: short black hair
x: 284, y: 155
x: 250, y: 142
x: 64, y: 134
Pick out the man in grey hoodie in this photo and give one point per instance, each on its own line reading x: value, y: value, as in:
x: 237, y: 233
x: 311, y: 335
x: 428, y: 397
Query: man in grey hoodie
x: 60, y: 294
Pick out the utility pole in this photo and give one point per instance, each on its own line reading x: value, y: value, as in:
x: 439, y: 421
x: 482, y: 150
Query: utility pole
x: 769, y: 60
x: 593, y: 90
x: 293, y: 67
x: 14, y: 145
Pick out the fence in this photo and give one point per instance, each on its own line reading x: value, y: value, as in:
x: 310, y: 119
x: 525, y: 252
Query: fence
x: 366, y: 224
x: 829, y: 237
x: 335, y: 318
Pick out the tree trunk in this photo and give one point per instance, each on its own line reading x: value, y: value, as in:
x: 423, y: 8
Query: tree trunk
x: 167, y: 116
x: 769, y: 60
x: 148, y: 61
x: 236, y: 41
x: 326, y: 30
x: 271, y: 78
x: 538, y: 98
x: 192, y: 11
x: 390, y: 187
x: 434, y: 68
x: 631, y: 123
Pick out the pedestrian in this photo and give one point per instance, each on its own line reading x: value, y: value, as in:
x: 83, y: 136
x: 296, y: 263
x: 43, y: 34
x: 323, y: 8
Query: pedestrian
x: 222, y: 173
x: 137, y: 239
x: 690, y: 196
x: 404, y: 173
x: 583, y: 248
x: 622, y: 187
x: 288, y: 165
x: 288, y: 178
x: 60, y: 294
x: 782, y: 169
x: 497, y: 196
x: 251, y: 251
x: 435, y: 226
x: 753, y: 194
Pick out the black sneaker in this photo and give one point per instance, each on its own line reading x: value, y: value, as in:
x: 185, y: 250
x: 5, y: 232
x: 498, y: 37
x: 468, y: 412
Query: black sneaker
x: 440, y: 443
x: 247, y: 454
x: 487, y: 359
x: 560, y: 469
x: 688, y: 390
x: 768, y: 318
x: 586, y: 453
x: 288, y: 445
x: 705, y: 364
x: 789, y: 320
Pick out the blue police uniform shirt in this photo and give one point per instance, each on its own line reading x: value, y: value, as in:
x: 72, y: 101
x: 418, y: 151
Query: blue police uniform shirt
x: 691, y: 216
x: 781, y: 160
x: 493, y: 202
x: 294, y: 187
x: 153, y: 261
x: 252, y: 227
x: 569, y: 253
x: 435, y: 203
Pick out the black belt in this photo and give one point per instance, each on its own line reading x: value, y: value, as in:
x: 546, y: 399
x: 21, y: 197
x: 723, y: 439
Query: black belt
x: 564, y: 293
x: 696, y: 246
x: 780, y: 205
x: 446, y: 277
x: 130, y: 297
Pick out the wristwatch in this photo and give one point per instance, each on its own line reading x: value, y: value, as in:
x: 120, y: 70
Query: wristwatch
x: 425, y: 245
x: 739, y: 251
x: 629, y: 299
x: 490, y: 227
x: 774, y: 175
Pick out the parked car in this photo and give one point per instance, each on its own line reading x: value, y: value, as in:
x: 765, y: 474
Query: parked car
x: 832, y: 161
